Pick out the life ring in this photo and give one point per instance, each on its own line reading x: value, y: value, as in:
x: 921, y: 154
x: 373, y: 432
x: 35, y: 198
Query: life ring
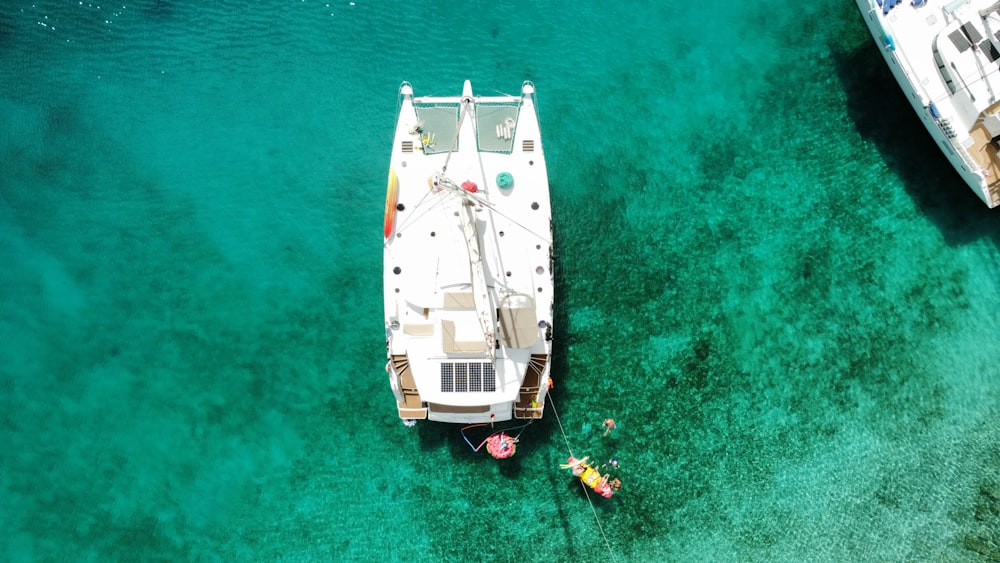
x: 505, y: 180
x: 509, y: 122
x: 391, y: 198
x: 501, y: 446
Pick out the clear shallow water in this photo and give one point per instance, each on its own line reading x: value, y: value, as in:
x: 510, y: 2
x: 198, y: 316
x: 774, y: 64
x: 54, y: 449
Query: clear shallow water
x: 767, y: 275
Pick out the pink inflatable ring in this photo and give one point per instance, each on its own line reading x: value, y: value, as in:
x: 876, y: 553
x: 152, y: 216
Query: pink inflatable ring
x: 501, y: 446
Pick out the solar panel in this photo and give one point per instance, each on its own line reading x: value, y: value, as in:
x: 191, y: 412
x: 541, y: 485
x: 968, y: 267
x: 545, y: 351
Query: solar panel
x: 961, y: 43
x: 476, y: 377
x: 461, y: 378
x: 971, y: 32
x: 989, y: 50
x: 489, y: 378
x: 468, y: 377
x: 447, y: 377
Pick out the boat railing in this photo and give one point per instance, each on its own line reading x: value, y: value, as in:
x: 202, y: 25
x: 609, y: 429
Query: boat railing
x: 943, y: 122
x: 959, y: 146
x: 955, y: 5
x: 910, y: 77
x: 993, y: 193
x: 405, y: 89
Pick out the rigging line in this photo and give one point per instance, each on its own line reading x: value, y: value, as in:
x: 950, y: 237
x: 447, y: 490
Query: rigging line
x: 450, y: 184
x: 482, y: 170
x: 964, y: 85
x: 502, y: 93
x: 481, y: 201
x: 982, y: 74
x: 598, y: 520
x: 423, y: 210
x: 511, y: 219
x: 454, y: 139
x: 505, y: 430
x: 479, y: 153
x: 415, y: 207
x: 490, y: 209
x: 563, y: 432
x: 994, y: 41
x: 488, y: 205
x: 585, y: 491
x: 522, y: 429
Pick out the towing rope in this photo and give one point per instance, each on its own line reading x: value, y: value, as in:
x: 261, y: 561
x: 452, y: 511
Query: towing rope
x: 481, y: 444
x: 585, y: 491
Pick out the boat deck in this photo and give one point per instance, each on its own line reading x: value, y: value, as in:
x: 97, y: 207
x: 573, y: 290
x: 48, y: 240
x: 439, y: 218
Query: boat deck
x: 472, y: 232
x: 945, y: 57
x: 985, y: 153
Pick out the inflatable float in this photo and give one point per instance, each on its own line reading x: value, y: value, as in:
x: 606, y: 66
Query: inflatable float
x: 501, y: 446
x: 591, y: 477
x: 391, y: 198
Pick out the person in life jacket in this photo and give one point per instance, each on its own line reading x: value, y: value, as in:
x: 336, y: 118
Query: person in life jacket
x: 591, y: 477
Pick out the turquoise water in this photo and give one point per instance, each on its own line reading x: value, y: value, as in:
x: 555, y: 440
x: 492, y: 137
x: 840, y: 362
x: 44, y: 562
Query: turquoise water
x: 766, y: 274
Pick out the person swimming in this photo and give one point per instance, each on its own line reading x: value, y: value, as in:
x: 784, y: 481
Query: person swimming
x: 609, y: 425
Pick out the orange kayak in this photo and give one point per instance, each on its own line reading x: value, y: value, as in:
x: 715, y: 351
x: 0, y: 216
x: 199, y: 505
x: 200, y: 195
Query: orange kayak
x: 391, y: 197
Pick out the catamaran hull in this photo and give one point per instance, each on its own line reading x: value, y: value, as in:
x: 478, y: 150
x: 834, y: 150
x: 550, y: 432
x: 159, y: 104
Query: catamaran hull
x: 467, y: 275
x: 951, y: 146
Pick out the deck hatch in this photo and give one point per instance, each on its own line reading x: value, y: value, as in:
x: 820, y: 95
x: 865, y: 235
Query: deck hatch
x: 468, y: 377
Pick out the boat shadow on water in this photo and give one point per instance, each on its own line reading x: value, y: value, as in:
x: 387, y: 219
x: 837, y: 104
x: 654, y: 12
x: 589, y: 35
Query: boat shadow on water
x: 438, y: 436
x: 883, y: 116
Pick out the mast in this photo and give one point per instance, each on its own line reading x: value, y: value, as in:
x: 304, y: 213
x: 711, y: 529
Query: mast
x: 468, y: 202
x: 480, y: 292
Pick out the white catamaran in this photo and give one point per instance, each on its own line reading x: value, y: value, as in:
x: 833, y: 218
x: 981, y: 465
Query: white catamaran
x: 945, y: 57
x: 467, y: 272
